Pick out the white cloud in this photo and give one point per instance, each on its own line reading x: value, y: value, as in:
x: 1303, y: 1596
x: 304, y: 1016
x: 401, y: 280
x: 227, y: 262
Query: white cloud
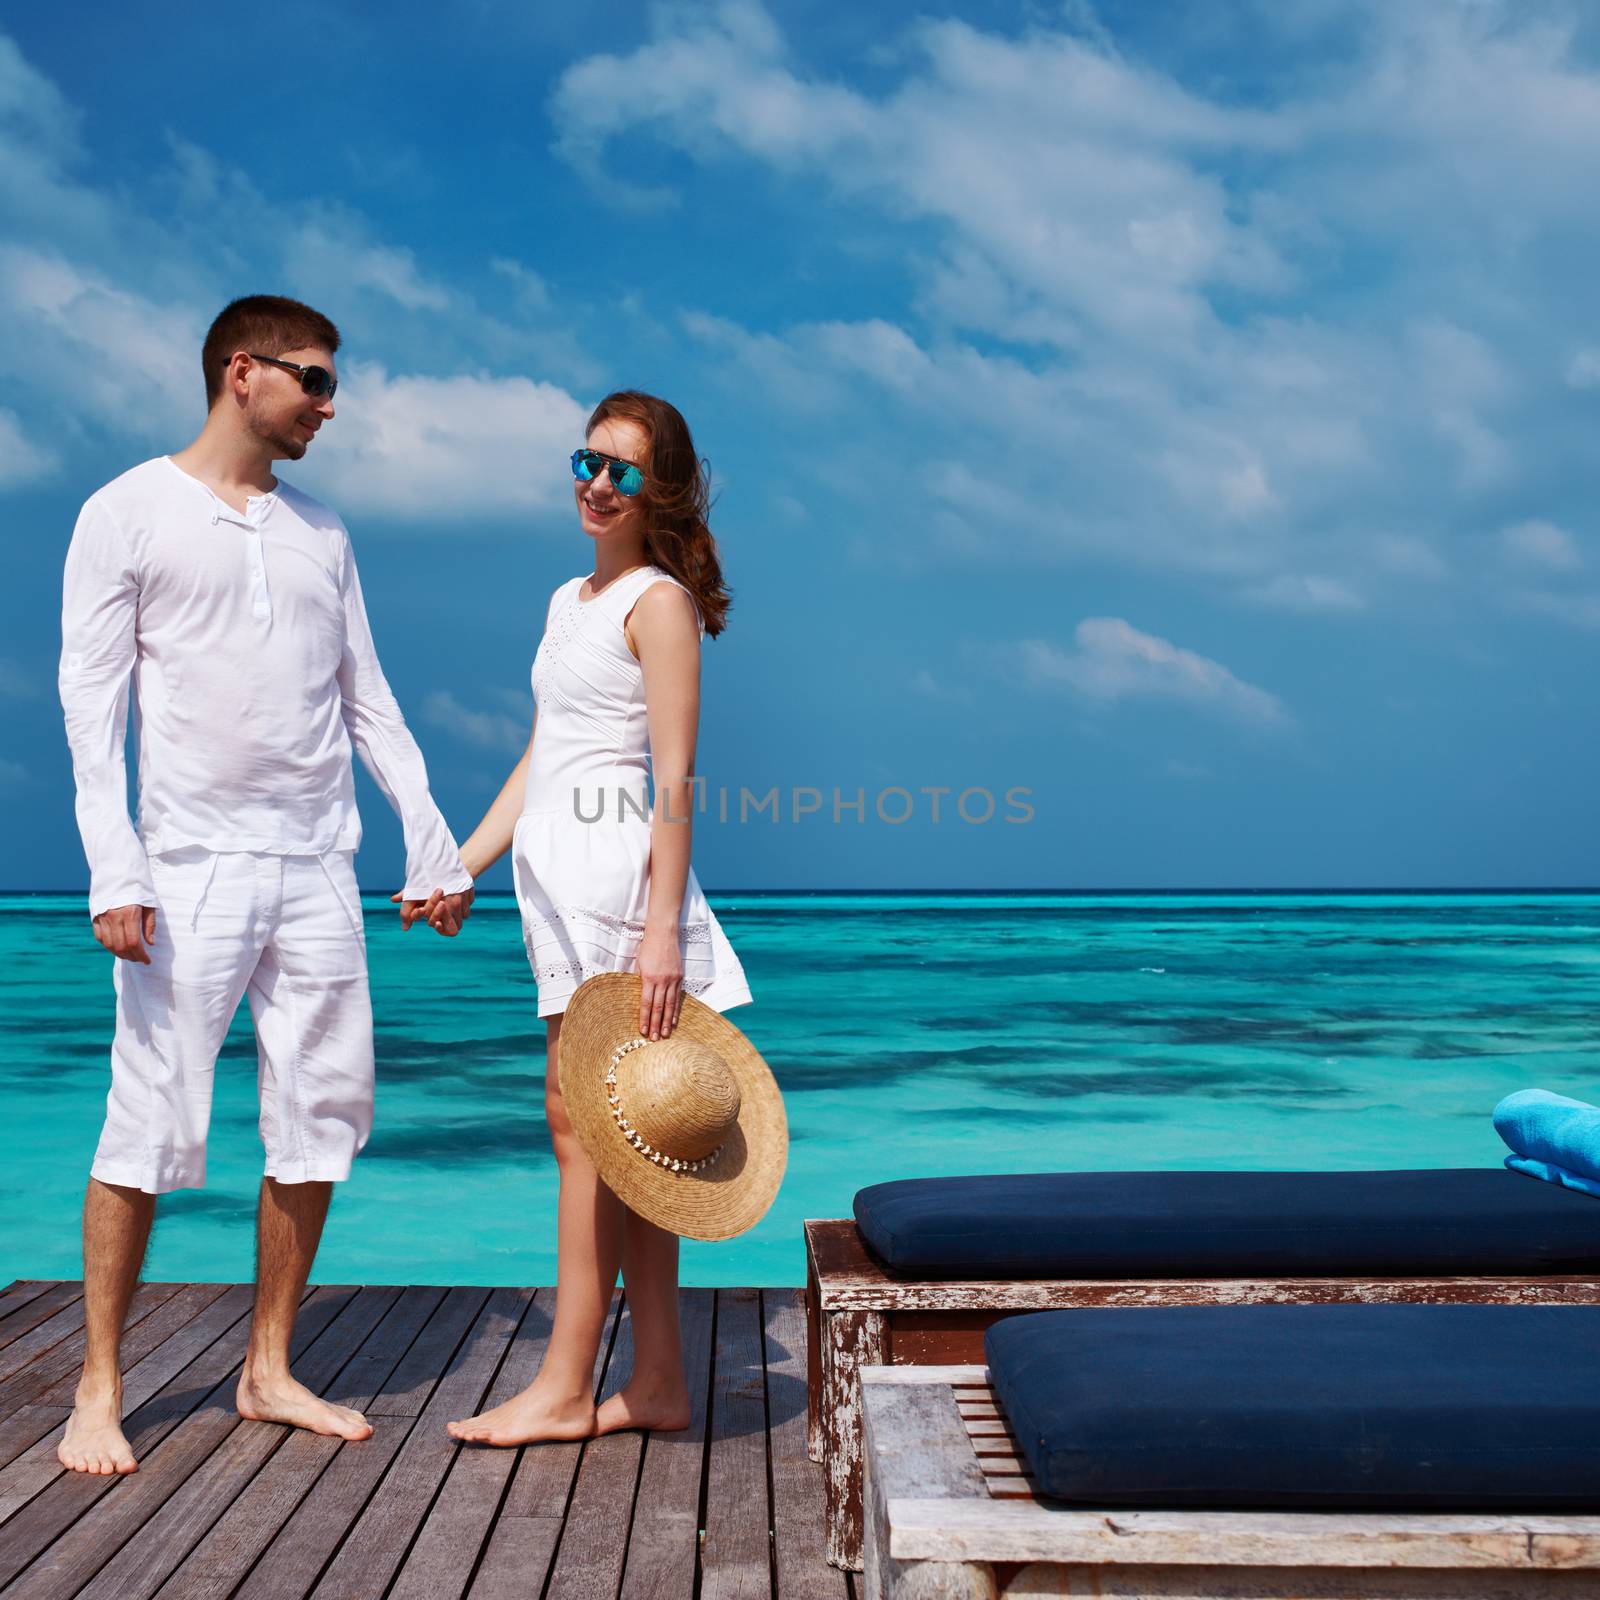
x: 1408, y: 556
x: 13, y: 774
x: 1576, y: 609
x: 1542, y: 545
x: 1112, y: 661
x: 930, y: 686
x: 487, y: 730
x: 1308, y: 592
x: 1225, y: 328
x: 331, y: 246
x: 22, y: 460
x: 107, y: 294
x: 1583, y: 371
x: 430, y: 449
x: 99, y: 350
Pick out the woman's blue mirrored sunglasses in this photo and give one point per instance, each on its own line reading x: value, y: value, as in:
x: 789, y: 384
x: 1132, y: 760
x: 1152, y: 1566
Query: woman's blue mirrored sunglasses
x: 587, y: 465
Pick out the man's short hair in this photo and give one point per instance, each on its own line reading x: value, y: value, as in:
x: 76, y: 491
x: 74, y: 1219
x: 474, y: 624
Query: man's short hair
x: 268, y: 324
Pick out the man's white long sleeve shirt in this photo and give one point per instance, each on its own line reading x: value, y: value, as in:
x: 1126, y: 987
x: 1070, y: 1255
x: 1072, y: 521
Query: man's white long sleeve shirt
x: 253, y: 669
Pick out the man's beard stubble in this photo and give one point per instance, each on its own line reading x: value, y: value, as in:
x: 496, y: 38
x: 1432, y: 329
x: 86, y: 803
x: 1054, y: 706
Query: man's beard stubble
x: 283, y: 446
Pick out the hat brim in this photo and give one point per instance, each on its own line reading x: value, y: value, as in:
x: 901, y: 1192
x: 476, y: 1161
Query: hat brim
x: 736, y: 1190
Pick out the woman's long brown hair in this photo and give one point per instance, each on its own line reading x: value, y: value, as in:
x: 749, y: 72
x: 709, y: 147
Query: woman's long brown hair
x: 676, y: 498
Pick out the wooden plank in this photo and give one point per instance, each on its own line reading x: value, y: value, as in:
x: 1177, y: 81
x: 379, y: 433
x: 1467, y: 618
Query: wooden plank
x: 40, y: 1308
x: 851, y: 1278
x: 447, y: 1548
x: 304, y: 1545
x: 26, y: 1426
x: 37, y: 1467
x: 851, y: 1340
x: 29, y: 1346
x: 1048, y: 1580
x: 286, y: 1485
x: 19, y: 1292
x: 736, y: 1557
x: 209, y: 1453
x: 381, y: 1537
x: 799, y: 1503
x: 589, y: 1557
x: 203, y: 1388
x: 220, y: 1472
x: 813, y: 1358
x: 317, y: 1528
x: 915, y: 1445
x: 28, y: 1422
x: 964, y: 1376
x: 406, y: 1390
x: 664, y: 1540
x: 301, y: 1547
x: 64, y: 1361
x: 519, y: 1555
x: 936, y: 1528
x: 528, y: 1528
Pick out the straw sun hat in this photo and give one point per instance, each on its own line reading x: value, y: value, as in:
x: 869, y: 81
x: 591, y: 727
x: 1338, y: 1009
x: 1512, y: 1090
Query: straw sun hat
x: 688, y: 1130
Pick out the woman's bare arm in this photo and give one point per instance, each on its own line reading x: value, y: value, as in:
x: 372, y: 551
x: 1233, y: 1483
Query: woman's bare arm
x: 492, y: 837
x: 664, y: 626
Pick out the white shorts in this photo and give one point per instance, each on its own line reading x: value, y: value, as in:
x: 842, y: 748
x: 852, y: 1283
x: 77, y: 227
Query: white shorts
x: 287, y: 931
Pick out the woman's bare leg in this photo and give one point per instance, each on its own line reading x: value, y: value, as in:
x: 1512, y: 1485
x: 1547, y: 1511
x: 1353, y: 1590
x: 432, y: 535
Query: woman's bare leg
x: 656, y: 1395
x: 559, y: 1403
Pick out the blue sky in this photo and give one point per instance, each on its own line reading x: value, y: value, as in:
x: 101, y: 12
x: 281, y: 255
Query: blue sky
x: 1186, y: 413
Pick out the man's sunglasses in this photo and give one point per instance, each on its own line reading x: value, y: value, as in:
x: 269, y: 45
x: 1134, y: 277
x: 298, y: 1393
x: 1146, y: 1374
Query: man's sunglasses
x: 316, y: 381
x: 587, y: 465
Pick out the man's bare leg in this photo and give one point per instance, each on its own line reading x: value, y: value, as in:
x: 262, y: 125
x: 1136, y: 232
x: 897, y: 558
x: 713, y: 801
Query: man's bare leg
x: 116, y: 1228
x: 288, y: 1227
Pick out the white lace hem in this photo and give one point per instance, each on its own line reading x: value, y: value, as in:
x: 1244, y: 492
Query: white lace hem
x: 574, y: 943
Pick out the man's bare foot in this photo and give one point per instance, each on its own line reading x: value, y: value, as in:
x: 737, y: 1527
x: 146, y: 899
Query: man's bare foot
x: 285, y: 1399
x: 526, y: 1418
x: 94, y: 1441
x: 659, y: 1407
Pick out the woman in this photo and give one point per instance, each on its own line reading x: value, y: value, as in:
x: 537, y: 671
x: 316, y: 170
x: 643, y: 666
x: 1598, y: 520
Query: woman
x: 604, y: 882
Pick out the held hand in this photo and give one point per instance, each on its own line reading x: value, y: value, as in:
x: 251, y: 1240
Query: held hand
x: 412, y: 910
x: 660, y: 983
x: 126, y: 930
x: 448, y: 911
x: 443, y: 912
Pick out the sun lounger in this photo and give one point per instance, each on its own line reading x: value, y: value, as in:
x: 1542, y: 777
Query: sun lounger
x: 1388, y: 1450
x: 959, y: 1254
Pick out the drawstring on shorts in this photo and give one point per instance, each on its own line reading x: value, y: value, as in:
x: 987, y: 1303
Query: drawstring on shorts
x: 205, y: 889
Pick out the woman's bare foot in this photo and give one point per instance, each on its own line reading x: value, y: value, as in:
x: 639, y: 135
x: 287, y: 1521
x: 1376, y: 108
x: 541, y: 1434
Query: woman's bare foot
x: 94, y: 1441
x: 537, y: 1413
x: 661, y: 1406
x: 285, y: 1399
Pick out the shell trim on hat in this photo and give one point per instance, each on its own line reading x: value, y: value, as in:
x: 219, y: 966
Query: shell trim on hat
x: 659, y: 1157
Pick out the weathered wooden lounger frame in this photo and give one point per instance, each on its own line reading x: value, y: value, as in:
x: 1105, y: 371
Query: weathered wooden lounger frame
x: 951, y: 1513
x: 857, y: 1314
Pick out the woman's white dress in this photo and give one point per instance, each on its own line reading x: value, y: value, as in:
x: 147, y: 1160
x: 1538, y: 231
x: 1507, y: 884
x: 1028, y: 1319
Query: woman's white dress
x: 583, y: 885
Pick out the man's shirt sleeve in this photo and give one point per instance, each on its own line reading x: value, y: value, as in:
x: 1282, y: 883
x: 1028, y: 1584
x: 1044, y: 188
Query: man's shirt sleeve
x: 99, y: 618
x: 384, y: 743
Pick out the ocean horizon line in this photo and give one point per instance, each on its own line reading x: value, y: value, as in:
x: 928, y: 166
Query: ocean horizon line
x: 1219, y: 892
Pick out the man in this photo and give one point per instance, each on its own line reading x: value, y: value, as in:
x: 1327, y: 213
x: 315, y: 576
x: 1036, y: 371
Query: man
x: 232, y: 601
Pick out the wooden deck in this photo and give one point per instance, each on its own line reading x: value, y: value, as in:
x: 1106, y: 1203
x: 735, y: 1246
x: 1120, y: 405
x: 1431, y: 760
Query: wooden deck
x: 225, y: 1507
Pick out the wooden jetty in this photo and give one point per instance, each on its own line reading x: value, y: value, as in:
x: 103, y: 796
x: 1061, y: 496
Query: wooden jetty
x: 223, y: 1507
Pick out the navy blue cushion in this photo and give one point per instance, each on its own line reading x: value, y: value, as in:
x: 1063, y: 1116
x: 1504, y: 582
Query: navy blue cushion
x: 1230, y: 1224
x: 1426, y: 1407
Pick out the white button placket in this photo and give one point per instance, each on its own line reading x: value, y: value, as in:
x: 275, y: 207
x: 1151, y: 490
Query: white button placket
x: 260, y: 598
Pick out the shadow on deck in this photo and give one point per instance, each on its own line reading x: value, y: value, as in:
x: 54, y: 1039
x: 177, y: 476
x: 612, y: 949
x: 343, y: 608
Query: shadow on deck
x: 224, y: 1507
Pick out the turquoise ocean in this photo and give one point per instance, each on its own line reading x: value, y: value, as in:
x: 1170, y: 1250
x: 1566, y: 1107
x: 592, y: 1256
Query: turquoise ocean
x: 913, y: 1035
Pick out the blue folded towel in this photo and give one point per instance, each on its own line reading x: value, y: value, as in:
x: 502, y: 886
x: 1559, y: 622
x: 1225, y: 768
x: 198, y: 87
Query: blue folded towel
x: 1551, y: 1137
